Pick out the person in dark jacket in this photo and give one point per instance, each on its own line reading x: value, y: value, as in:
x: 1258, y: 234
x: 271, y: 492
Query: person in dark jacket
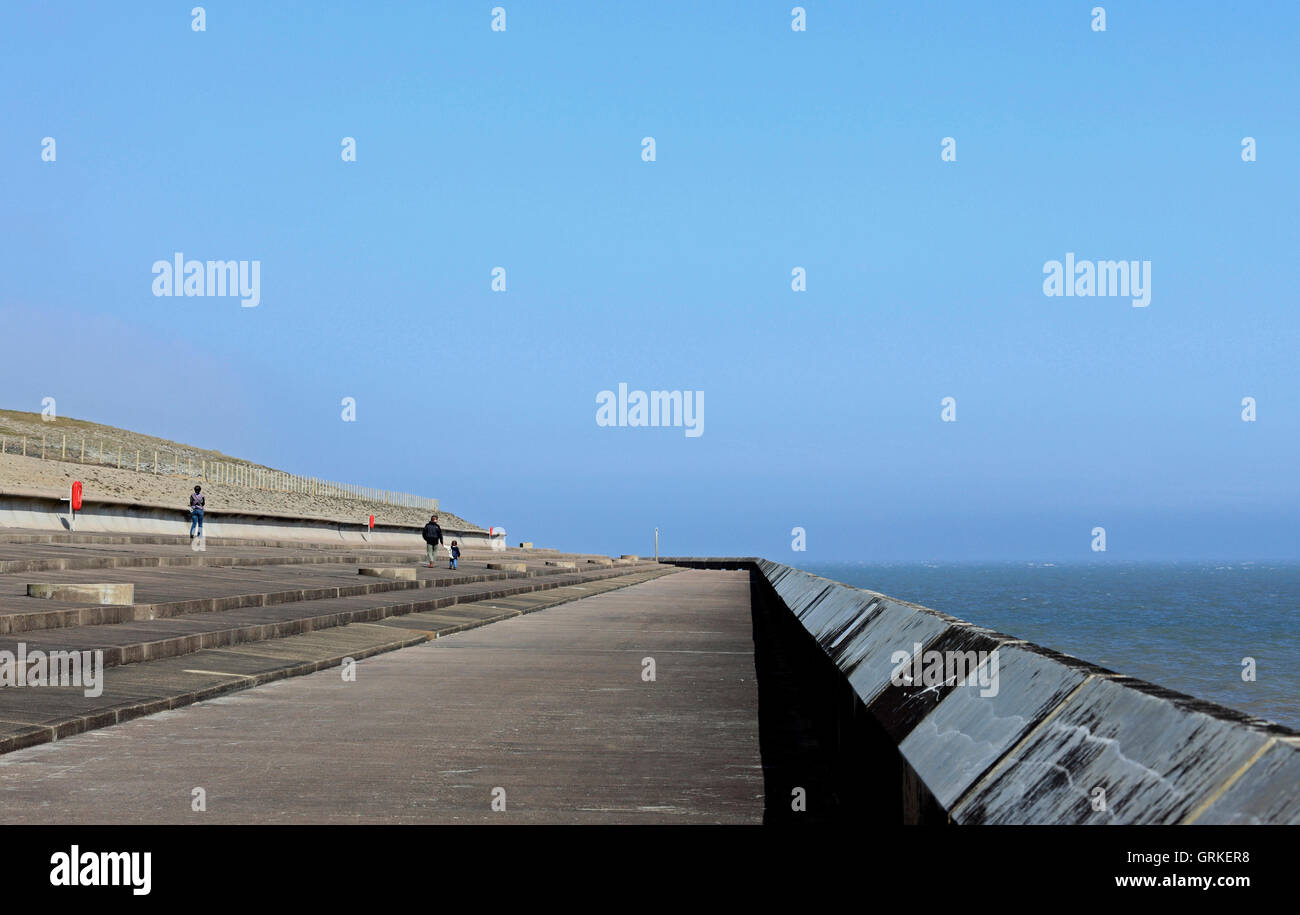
x: 196, y: 511
x: 432, y: 538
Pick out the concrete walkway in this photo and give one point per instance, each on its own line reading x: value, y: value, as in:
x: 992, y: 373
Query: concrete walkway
x: 550, y: 707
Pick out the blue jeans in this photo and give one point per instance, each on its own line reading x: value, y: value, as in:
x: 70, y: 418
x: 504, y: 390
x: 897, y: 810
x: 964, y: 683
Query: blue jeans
x: 196, y: 518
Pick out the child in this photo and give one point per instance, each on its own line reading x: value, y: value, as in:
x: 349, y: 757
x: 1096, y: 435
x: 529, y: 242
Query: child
x: 455, y: 553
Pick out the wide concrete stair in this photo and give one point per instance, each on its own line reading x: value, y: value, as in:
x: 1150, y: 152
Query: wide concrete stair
x: 241, y: 613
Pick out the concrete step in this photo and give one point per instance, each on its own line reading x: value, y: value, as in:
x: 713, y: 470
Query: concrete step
x: 135, y: 641
x: 211, y: 590
x: 18, y: 536
x: 39, y: 715
x: 193, y: 561
x: 41, y: 555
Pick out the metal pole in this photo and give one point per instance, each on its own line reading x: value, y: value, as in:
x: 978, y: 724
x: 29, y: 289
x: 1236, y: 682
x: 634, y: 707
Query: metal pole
x: 656, y: 544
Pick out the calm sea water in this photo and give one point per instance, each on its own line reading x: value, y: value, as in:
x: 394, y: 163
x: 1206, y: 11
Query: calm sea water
x: 1184, y: 625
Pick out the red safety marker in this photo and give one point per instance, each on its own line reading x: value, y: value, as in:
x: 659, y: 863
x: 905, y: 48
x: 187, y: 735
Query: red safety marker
x: 372, y: 522
x: 76, y: 496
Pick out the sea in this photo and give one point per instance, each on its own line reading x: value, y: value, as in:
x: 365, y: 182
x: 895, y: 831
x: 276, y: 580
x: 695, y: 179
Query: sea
x: 1189, y: 626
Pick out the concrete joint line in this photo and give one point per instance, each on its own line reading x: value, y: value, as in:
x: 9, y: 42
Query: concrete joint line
x: 994, y: 768
x: 1228, y: 783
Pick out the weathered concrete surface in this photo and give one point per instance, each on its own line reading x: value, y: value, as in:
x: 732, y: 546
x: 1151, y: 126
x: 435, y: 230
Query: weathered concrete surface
x: 170, y: 591
x: 550, y: 707
x: 1153, y: 755
x: 218, y: 622
x: 32, y: 716
x: 114, y: 593
x: 1263, y: 793
x: 399, y: 573
x: 508, y: 566
x: 966, y: 733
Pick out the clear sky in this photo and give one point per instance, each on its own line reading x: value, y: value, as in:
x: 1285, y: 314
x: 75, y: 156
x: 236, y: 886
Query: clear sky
x: 775, y: 149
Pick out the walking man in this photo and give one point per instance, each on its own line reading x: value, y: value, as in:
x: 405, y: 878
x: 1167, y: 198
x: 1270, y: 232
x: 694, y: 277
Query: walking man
x: 196, y: 511
x: 432, y: 538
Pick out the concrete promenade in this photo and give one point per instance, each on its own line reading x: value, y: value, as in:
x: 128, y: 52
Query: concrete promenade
x: 551, y: 707
x: 238, y: 614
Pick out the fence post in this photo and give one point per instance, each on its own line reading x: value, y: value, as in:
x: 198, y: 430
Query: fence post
x: 42, y: 446
x: 137, y: 460
x: 65, y: 446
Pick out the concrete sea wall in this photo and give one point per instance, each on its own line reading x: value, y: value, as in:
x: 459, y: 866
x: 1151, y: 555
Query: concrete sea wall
x: 50, y: 514
x: 1058, y: 741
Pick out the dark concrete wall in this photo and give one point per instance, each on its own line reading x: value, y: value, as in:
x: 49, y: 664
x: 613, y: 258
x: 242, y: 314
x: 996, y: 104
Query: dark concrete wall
x: 1058, y: 741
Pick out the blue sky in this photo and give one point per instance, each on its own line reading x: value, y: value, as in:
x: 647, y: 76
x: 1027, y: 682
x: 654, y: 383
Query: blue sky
x: 775, y: 149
